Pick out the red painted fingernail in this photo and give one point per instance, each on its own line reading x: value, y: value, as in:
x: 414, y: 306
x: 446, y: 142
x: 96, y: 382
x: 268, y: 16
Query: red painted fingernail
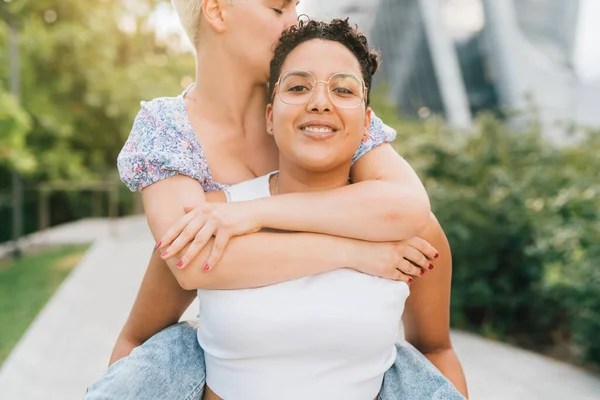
x: 422, y: 271
x: 179, y: 264
x: 163, y: 255
x: 430, y: 267
x: 436, y: 255
x: 206, y: 267
x: 158, y: 245
x: 409, y: 280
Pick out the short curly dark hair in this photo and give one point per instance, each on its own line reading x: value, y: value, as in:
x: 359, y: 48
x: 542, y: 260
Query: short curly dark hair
x: 338, y: 30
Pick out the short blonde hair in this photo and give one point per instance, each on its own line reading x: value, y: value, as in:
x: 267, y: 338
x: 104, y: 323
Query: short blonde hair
x: 190, y: 13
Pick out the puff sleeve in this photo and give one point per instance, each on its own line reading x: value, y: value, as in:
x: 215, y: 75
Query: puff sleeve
x: 379, y: 133
x: 156, y: 149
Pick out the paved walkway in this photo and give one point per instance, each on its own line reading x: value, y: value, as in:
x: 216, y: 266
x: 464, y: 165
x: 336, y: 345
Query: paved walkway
x: 82, y: 231
x: 69, y: 343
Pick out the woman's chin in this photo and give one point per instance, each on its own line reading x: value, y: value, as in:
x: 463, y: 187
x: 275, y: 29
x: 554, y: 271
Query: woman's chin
x: 319, y: 164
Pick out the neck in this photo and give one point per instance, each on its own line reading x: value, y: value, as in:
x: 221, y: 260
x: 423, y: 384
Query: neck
x: 294, y: 179
x: 224, y: 92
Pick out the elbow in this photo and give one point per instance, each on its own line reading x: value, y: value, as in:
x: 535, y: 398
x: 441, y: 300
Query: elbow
x: 190, y: 279
x: 437, y: 350
x: 411, y: 215
x: 184, y: 277
x: 186, y: 284
x: 433, y: 346
x: 420, y: 218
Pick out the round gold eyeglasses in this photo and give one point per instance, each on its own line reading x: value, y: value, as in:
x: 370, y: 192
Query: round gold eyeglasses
x: 345, y: 90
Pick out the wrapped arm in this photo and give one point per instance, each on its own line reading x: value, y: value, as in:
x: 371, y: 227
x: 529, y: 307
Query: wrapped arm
x: 387, y: 197
x: 258, y: 259
x: 387, y: 202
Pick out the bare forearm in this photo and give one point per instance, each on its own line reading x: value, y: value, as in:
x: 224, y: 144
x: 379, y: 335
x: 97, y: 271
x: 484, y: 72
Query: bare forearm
x: 449, y: 365
x: 374, y: 210
x: 267, y: 258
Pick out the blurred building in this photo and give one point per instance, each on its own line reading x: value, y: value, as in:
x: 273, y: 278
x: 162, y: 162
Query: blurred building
x: 458, y: 57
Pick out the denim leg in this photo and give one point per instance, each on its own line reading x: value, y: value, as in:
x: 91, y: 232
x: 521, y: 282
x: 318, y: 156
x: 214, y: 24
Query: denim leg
x: 414, y: 377
x: 169, y: 366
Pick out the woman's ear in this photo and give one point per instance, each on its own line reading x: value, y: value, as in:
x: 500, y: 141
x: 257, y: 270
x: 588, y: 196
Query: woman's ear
x: 213, y: 13
x: 269, y: 117
x: 368, y: 116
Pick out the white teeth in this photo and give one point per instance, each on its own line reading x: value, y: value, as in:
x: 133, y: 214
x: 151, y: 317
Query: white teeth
x: 317, y: 129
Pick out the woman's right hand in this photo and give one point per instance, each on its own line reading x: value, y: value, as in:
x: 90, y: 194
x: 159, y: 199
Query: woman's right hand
x: 399, y: 261
x: 201, y: 223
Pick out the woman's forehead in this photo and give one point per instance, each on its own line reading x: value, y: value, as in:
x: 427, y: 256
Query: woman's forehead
x: 322, y: 57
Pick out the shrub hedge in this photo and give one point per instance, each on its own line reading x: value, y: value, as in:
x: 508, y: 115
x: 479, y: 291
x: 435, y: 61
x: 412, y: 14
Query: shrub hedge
x: 522, y: 218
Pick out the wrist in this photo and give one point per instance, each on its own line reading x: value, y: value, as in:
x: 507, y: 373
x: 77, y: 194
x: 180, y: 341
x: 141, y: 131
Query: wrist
x: 249, y: 213
x: 262, y: 211
x: 356, y: 256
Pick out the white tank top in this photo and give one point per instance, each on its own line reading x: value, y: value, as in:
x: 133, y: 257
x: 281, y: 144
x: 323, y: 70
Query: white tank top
x: 329, y: 336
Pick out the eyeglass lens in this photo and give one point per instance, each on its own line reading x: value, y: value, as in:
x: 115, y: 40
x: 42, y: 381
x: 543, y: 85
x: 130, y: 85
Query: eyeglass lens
x: 345, y: 90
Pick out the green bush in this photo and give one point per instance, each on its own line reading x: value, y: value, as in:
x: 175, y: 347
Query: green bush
x: 522, y: 219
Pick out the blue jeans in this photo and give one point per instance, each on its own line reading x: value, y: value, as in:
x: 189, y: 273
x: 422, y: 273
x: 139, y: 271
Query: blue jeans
x: 170, y: 366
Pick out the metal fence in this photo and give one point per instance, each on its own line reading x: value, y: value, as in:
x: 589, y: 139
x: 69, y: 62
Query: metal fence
x: 48, y: 204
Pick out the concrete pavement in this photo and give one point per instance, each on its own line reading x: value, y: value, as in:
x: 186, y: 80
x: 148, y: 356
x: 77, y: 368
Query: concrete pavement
x: 68, y: 345
x: 497, y: 371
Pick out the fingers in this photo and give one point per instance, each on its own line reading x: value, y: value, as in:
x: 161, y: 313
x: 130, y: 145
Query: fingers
x: 199, y: 242
x: 424, y: 247
x: 187, y: 209
x: 397, y: 271
x: 175, y: 230
x: 417, y: 259
x: 218, y: 248
x: 187, y: 235
x: 408, y: 268
x: 402, y: 277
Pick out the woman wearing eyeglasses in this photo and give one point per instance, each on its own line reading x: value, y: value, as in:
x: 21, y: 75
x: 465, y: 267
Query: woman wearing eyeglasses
x: 326, y: 336
x: 368, y: 226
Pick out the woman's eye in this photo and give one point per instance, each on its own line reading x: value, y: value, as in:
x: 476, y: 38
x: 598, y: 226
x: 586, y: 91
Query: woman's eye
x: 342, y: 90
x: 297, y: 88
x: 278, y: 11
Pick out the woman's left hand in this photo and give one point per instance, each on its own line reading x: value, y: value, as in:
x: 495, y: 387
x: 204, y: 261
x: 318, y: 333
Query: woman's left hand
x: 200, y: 224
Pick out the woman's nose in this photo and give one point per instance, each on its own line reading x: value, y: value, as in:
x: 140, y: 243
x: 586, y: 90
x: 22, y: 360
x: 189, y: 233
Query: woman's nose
x: 291, y: 19
x: 320, y: 100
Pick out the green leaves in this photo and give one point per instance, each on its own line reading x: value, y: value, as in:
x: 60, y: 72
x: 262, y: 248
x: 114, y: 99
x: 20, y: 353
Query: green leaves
x: 523, y: 221
x: 15, y: 125
x: 83, y: 75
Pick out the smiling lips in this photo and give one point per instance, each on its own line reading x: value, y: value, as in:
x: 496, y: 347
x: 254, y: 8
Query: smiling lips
x: 319, y: 130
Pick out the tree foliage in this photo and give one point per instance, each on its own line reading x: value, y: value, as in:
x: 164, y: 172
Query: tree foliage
x: 85, y: 66
x: 15, y: 125
x: 522, y: 219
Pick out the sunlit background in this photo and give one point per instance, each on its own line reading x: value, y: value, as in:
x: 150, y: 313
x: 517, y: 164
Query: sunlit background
x: 462, y: 18
x: 501, y: 56
x: 496, y: 107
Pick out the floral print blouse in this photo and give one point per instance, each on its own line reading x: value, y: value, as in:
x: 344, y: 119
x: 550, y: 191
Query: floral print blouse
x: 162, y: 143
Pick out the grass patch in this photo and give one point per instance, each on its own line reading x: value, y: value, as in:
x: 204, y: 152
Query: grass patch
x: 27, y: 284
